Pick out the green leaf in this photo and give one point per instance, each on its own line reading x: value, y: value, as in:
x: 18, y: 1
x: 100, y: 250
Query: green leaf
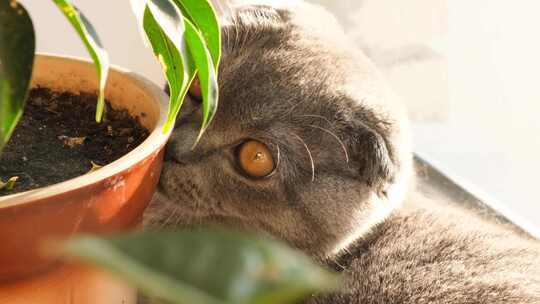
x: 206, y: 71
x: 17, y: 47
x: 9, y: 184
x: 164, y: 27
x: 206, y: 266
x: 93, y: 44
x: 201, y: 13
x: 184, y: 49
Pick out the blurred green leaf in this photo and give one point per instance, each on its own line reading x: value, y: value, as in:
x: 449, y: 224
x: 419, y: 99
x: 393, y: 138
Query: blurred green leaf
x: 202, y: 15
x: 206, y: 72
x: 17, y: 47
x: 206, y: 266
x: 93, y: 44
x: 164, y: 27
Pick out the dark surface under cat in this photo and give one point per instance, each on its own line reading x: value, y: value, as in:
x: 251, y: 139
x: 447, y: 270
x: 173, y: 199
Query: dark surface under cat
x: 58, y: 139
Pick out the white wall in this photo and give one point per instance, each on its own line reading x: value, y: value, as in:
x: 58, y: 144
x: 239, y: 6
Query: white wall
x: 492, y: 136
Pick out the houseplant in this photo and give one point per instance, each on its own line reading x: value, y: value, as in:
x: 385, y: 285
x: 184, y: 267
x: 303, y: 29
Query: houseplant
x: 185, y: 38
x: 109, y: 199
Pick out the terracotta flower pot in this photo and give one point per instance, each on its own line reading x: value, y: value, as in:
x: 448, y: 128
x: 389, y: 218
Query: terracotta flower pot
x: 108, y: 200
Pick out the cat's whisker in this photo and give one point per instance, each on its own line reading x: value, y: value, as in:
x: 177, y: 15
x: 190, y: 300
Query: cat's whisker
x: 337, y: 138
x: 225, y: 36
x: 291, y: 111
x: 229, y: 35
x: 165, y: 223
x: 178, y: 219
x: 310, y: 156
x: 198, y: 214
x: 234, y: 46
x: 245, y: 37
x: 338, y: 264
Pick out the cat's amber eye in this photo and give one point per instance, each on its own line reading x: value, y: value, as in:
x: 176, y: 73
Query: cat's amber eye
x: 195, y: 90
x: 255, y: 159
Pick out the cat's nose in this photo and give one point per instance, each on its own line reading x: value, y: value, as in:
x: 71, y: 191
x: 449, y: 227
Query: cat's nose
x: 179, y: 147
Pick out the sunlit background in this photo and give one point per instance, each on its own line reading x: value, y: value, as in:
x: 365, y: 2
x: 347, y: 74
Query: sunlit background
x: 468, y: 71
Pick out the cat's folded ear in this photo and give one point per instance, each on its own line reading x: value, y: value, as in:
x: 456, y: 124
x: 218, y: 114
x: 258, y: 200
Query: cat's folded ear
x: 370, y: 155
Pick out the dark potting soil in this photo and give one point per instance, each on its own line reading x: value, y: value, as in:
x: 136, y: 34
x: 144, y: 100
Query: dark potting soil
x: 58, y: 139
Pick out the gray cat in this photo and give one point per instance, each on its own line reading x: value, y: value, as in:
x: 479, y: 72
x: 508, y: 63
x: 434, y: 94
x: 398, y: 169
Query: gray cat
x: 311, y: 147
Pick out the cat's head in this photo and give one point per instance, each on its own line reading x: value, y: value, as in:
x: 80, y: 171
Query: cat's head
x: 308, y: 143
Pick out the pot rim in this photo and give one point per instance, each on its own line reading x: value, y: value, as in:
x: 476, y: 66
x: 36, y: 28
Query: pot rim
x: 149, y: 146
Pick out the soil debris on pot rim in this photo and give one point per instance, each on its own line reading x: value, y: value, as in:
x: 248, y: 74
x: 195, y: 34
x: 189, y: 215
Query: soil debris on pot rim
x: 58, y: 139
